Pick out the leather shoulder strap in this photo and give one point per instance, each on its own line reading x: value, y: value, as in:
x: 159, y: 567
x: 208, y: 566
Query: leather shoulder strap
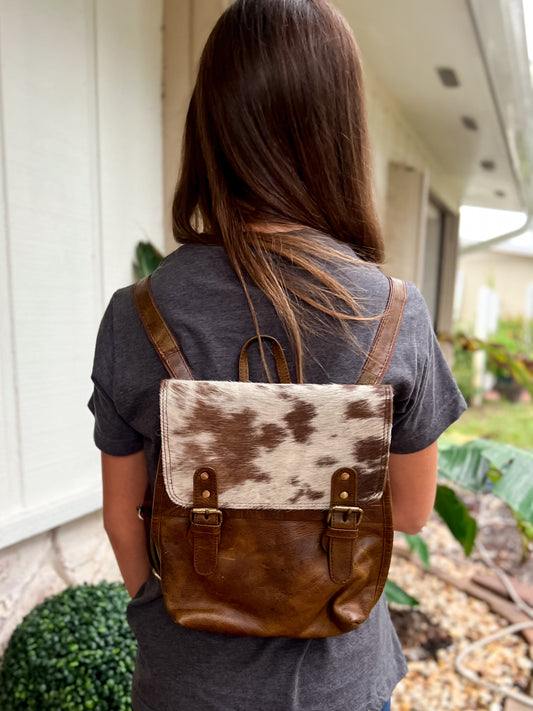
x: 382, y: 349
x: 158, y: 332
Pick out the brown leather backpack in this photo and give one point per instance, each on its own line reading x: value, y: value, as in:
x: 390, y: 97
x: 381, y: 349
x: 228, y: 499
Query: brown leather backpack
x: 271, y: 513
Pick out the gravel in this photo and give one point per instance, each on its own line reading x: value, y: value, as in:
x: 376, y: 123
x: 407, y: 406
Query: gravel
x: 448, y: 621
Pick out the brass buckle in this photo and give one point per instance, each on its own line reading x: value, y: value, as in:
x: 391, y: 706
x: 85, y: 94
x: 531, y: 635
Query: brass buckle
x: 206, y: 512
x: 140, y: 512
x: 346, y: 509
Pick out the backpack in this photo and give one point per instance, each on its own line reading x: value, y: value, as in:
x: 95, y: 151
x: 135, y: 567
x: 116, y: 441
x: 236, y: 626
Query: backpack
x: 271, y: 512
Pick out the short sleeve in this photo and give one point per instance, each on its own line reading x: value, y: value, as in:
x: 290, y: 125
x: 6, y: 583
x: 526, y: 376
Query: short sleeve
x: 427, y: 401
x: 112, y: 434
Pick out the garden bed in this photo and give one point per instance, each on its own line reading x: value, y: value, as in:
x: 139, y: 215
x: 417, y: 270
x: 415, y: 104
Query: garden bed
x: 448, y: 620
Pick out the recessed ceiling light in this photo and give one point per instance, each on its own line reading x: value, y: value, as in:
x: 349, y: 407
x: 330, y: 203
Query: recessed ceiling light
x: 488, y: 164
x: 499, y: 193
x: 448, y: 76
x: 469, y: 123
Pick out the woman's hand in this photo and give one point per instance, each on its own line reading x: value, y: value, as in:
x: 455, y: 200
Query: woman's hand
x: 413, y: 479
x: 125, y: 481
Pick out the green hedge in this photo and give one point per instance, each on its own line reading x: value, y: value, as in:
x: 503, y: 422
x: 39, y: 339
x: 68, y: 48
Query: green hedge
x: 73, y: 652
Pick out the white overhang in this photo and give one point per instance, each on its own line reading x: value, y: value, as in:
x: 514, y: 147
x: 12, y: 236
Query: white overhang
x: 476, y: 130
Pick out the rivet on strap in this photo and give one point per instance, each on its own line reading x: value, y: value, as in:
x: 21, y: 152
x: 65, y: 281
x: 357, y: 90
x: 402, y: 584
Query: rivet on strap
x: 343, y: 525
x: 206, y: 521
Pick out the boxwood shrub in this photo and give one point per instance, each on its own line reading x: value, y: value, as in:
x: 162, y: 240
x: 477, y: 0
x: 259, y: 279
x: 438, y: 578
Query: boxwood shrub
x: 73, y: 652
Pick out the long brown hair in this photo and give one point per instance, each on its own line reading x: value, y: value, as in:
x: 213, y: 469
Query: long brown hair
x: 276, y: 159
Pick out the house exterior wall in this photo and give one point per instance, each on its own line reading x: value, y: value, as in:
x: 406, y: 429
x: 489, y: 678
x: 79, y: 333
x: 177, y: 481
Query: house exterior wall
x: 80, y: 114
x: 394, y: 141
x: 80, y: 185
x: 509, y: 275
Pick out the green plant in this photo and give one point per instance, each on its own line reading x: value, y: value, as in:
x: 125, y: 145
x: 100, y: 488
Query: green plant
x: 463, y: 372
x: 501, y: 421
x: 514, y: 335
x: 518, y: 366
x: 147, y: 258
x: 72, y: 652
x: 479, y: 466
x: 507, y: 471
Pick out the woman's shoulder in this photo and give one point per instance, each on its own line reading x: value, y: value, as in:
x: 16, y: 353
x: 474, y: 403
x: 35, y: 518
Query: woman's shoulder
x: 371, y: 288
x: 192, y: 256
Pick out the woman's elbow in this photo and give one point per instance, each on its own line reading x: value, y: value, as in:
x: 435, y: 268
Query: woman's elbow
x: 411, y: 519
x: 408, y: 523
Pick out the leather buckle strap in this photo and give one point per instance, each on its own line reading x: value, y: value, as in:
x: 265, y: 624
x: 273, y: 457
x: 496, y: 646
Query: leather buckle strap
x: 344, y: 511
x: 343, y: 522
x: 206, y: 521
x: 206, y: 513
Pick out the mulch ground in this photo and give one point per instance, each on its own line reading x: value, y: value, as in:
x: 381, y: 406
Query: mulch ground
x: 448, y: 620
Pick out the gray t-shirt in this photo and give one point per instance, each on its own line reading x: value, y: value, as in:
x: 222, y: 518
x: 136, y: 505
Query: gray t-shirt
x: 205, y: 307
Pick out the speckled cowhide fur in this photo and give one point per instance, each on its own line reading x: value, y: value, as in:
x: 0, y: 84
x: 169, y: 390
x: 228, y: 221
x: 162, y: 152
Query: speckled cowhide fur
x: 274, y: 446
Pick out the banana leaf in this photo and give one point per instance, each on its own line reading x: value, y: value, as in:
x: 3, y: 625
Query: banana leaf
x: 475, y: 464
x: 394, y: 593
x: 515, y: 487
x: 456, y: 516
x: 465, y: 465
x: 418, y: 545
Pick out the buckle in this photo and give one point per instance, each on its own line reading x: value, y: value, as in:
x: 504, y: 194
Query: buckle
x: 140, y: 512
x: 346, y: 509
x: 206, y: 513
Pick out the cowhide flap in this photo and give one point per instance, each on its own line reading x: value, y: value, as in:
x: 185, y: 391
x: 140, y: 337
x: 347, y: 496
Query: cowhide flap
x: 274, y: 446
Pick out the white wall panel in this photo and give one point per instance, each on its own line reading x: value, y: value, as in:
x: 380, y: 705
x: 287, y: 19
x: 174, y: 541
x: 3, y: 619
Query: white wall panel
x: 395, y: 141
x: 130, y: 120
x: 82, y: 124
x: 47, y: 102
x: 10, y: 470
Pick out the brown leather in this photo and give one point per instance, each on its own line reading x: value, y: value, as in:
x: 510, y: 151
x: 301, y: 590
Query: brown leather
x: 157, y: 330
x: 343, y: 525
x: 272, y: 576
x: 206, y: 521
x: 279, y: 358
x: 378, y: 359
x: 275, y: 573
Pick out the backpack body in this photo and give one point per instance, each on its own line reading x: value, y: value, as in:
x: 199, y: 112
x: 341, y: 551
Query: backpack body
x: 271, y: 513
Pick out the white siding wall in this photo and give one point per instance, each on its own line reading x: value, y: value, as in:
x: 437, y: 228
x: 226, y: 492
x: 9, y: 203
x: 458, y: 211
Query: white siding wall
x: 81, y: 183
x: 395, y: 141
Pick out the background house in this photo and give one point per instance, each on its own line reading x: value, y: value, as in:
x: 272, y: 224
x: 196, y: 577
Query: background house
x: 506, y: 268
x: 93, y: 97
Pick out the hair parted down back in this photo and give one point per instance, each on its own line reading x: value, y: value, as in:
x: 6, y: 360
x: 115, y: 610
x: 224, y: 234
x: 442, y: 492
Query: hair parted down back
x: 276, y: 157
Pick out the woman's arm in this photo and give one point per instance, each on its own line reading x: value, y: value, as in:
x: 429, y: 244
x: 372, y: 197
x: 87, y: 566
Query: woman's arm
x: 413, y: 479
x: 125, y: 481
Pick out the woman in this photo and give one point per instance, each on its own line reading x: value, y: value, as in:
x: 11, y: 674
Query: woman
x: 274, y: 208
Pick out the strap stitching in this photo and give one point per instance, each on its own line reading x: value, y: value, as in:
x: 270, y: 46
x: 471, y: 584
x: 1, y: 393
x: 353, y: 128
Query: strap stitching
x: 143, y: 289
